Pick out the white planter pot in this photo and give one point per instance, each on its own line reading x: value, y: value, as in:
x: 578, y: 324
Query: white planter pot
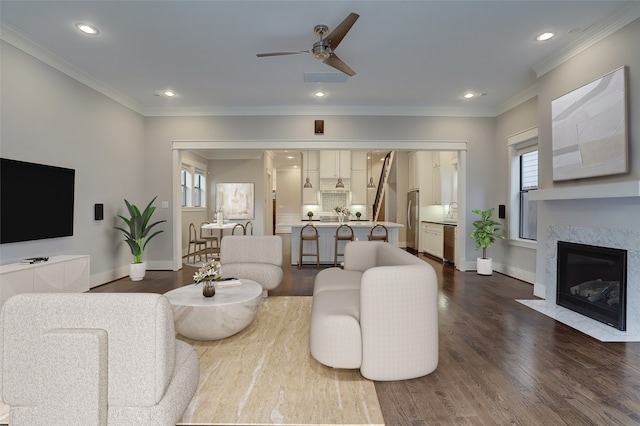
x: 137, y: 271
x: 484, y: 266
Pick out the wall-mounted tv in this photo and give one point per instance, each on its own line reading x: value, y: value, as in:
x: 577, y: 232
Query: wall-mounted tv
x: 36, y: 201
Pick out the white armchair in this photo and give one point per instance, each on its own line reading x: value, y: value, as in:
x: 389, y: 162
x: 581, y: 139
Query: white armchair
x: 256, y: 258
x: 94, y: 359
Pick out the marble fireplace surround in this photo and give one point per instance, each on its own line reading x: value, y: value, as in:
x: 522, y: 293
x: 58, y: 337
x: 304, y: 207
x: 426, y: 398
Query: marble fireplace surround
x: 615, y: 238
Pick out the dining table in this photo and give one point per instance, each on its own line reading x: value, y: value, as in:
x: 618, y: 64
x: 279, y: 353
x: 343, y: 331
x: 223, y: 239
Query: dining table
x: 220, y: 228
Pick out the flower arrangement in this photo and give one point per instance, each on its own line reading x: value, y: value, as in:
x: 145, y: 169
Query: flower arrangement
x: 342, y: 211
x: 209, y: 272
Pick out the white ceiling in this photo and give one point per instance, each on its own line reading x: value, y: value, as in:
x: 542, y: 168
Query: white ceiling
x: 411, y: 57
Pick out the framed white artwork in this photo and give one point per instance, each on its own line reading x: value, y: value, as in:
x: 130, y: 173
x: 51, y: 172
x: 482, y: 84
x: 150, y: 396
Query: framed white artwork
x: 236, y: 200
x: 589, y: 129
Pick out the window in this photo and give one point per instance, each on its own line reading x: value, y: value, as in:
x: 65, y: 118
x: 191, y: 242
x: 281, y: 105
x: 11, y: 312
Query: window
x: 528, y: 181
x: 523, y: 212
x: 185, y: 185
x: 193, y: 184
x: 199, y: 188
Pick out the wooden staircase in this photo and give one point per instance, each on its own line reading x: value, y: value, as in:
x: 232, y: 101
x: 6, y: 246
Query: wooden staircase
x: 384, y: 176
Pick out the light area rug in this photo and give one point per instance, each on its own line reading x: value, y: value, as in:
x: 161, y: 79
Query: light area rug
x: 266, y: 375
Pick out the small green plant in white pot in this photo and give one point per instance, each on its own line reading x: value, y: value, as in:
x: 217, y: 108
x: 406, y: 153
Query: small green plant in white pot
x: 137, y: 236
x: 485, y: 234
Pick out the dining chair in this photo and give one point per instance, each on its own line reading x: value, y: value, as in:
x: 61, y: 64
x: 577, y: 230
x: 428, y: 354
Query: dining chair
x: 197, y: 243
x: 240, y: 227
x: 246, y: 228
x: 210, y: 239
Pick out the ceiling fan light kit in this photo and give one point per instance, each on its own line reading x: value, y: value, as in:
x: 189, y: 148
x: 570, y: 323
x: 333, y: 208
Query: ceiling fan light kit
x: 324, y: 49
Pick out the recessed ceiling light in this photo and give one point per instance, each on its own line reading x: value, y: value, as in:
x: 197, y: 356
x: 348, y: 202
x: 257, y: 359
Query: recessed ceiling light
x: 545, y: 36
x: 290, y: 157
x: 168, y: 93
x: 469, y: 95
x: 319, y: 94
x: 87, y: 29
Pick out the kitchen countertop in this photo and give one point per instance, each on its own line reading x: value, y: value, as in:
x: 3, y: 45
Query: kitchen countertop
x: 335, y: 224
x: 444, y: 222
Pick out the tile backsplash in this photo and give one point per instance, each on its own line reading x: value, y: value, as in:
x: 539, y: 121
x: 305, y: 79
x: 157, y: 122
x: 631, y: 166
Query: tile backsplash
x: 331, y: 200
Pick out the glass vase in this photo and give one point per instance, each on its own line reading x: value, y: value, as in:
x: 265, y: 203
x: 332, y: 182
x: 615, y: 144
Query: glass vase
x: 208, y: 288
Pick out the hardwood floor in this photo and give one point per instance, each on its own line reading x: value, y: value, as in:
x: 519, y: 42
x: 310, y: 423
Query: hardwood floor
x: 500, y: 362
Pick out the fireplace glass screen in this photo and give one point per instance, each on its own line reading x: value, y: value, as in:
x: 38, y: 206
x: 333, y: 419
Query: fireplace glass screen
x: 592, y: 281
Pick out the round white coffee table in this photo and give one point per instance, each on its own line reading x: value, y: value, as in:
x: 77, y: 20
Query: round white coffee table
x: 213, y: 318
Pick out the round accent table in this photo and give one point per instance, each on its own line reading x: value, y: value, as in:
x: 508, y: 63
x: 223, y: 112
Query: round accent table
x: 212, y: 318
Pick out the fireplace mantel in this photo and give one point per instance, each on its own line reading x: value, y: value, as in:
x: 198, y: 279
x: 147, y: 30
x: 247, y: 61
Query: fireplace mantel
x: 603, y: 190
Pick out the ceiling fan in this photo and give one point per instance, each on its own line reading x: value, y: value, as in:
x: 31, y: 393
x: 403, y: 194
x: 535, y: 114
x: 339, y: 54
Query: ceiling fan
x: 325, y: 48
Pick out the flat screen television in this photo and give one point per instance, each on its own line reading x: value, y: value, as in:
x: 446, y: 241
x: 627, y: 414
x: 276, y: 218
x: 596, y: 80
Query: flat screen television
x: 36, y: 201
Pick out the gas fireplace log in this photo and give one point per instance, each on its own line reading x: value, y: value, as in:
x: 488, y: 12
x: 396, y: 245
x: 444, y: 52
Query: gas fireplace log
x: 596, y: 290
x: 587, y: 288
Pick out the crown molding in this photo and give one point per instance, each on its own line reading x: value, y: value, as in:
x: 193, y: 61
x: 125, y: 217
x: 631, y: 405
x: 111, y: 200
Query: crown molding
x: 518, y: 99
x: 324, y: 111
x: 596, y: 33
x: 31, y: 47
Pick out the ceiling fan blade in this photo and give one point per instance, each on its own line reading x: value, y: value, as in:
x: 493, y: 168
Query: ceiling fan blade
x: 334, y: 61
x: 335, y: 37
x: 262, y: 55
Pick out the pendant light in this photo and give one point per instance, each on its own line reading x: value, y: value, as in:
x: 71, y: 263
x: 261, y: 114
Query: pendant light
x: 307, y: 183
x: 339, y: 184
x: 371, y: 185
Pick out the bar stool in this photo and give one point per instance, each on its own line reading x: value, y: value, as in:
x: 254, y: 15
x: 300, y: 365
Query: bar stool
x: 379, y: 233
x: 211, y: 238
x: 309, y: 233
x: 246, y: 228
x: 240, y: 227
x: 343, y: 233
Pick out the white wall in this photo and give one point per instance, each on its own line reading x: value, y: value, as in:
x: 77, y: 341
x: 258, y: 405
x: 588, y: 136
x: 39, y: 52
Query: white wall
x: 241, y: 171
x: 288, y: 195
x: 509, y: 258
x: 615, y: 51
x: 50, y: 118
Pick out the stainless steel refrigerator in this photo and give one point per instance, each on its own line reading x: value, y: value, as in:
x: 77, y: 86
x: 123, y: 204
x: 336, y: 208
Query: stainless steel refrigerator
x: 413, y: 220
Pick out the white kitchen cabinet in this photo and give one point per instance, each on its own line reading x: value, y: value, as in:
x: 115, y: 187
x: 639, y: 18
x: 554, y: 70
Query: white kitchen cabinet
x: 335, y: 164
x: 433, y: 236
x: 359, y: 160
x: 60, y: 274
x: 414, y: 175
x: 436, y: 184
x: 358, y: 187
x: 442, y: 178
x: 424, y: 237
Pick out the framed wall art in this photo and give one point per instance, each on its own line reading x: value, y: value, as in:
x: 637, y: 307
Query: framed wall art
x: 589, y: 129
x: 236, y: 200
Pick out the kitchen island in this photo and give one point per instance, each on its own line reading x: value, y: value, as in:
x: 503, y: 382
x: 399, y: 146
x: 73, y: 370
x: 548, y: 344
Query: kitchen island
x: 326, y: 233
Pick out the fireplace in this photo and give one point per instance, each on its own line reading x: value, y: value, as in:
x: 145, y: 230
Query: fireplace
x: 592, y: 281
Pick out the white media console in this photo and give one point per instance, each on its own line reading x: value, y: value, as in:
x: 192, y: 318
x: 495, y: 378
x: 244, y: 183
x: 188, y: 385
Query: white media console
x: 60, y: 274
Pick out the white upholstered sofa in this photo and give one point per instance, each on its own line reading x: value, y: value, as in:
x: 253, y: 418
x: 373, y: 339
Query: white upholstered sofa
x: 378, y: 314
x: 94, y: 359
x: 257, y: 258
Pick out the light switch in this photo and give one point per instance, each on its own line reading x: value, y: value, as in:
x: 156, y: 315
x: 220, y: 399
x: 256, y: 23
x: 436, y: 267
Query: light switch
x: 165, y: 204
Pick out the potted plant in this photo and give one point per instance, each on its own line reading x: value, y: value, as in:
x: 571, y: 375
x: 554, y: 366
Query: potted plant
x: 137, y: 236
x: 358, y: 215
x: 310, y: 215
x: 485, y: 234
x: 208, y: 275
